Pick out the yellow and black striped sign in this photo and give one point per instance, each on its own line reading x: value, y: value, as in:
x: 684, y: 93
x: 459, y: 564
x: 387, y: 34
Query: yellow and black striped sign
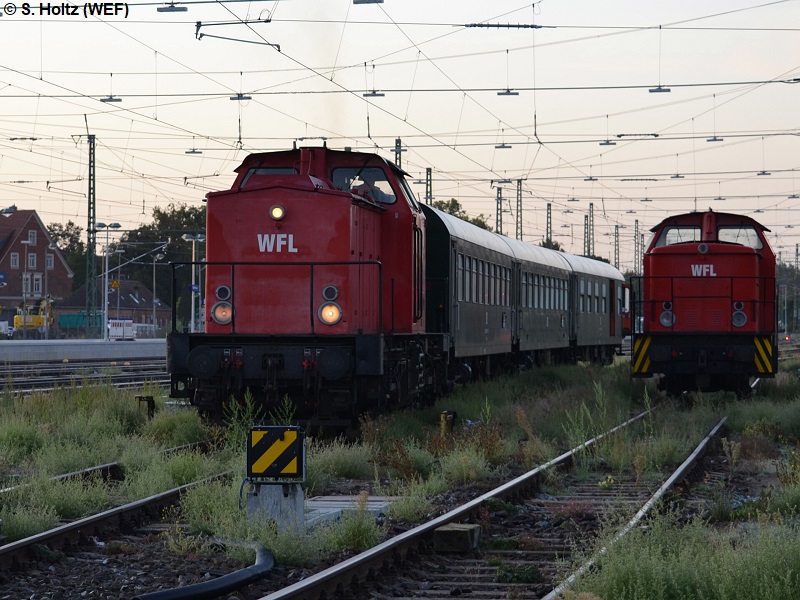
x: 276, y: 452
x: 640, y: 361
x: 765, y: 355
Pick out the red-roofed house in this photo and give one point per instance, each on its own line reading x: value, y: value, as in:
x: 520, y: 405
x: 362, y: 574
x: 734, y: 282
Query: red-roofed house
x: 28, y: 255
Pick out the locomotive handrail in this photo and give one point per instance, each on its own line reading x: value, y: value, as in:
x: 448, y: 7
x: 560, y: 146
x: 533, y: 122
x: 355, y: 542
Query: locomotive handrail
x: 310, y: 264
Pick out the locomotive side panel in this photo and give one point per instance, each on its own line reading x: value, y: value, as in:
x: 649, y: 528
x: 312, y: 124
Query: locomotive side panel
x: 364, y: 279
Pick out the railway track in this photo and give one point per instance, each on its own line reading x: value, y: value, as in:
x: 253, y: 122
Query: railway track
x: 527, y: 535
x: 529, y: 529
x: 46, y: 376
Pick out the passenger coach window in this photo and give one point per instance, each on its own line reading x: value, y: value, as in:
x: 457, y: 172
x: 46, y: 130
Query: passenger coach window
x: 460, y: 277
x: 492, y: 284
x: 468, y: 280
x: 479, y: 281
x: 524, y: 285
x: 583, y: 287
x: 475, y: 287
x: 605, y: 301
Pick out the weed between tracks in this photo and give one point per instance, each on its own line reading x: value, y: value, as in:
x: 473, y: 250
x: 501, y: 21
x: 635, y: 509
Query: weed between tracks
x: 743, y: 547
x: 501, y: 428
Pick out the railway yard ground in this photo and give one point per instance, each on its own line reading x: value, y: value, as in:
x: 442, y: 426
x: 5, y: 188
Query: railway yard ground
x: 725, y: 527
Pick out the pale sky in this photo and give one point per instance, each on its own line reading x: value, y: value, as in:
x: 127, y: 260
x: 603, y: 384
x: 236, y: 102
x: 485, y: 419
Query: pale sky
x: 580, y: 80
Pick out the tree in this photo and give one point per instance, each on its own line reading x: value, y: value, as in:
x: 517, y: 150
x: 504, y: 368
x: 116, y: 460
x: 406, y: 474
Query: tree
x: 69, y: 239
x: 453, y: 207
x: 552, y: 244
x: 169, y: 224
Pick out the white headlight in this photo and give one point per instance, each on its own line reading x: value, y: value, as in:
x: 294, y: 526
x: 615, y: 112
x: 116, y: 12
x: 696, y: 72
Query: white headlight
x: 667, y: 318
x: 330, y: 313
x: 222, y: 313
x: 277, y: 212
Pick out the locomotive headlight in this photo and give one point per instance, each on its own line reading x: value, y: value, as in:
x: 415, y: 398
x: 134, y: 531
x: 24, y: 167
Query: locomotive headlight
x: 222, y: 313
x: 667, y: 318
x: 739, y: 319
x: 330, y: 313
x: 277, y: 212
x: 223, y: 292
x: 330, y: 292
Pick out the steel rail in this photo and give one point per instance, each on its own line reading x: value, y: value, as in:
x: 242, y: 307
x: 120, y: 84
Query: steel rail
x: 680, y: 473
x: 73, y: 533
x: 360, y: 565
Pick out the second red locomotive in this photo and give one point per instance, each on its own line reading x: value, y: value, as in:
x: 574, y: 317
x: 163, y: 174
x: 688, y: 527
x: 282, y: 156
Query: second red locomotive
x: 327, y: 282
x: 707, y: 304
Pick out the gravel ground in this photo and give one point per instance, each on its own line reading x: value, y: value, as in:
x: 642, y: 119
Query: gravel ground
x: 128, y: 566
x: 125, y: 566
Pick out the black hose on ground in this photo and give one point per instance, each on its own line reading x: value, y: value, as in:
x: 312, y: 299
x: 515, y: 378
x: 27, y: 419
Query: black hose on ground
x: 214, y: 588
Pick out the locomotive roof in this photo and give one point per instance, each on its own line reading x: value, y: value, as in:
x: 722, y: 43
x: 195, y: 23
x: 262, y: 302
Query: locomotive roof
x: 723, y: 218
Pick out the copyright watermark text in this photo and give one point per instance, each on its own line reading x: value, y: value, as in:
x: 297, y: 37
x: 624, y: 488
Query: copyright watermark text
x: 65, y: 9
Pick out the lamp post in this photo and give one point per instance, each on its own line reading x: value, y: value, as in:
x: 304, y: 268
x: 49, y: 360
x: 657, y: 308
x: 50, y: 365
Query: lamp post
x: 194, y: 238
x: 105, y: 274
x: 50, y: 246
x: 26, y: 243
x: 156, y: 257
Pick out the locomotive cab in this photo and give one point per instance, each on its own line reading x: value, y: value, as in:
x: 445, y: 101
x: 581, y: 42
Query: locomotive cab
x: 313, y: 277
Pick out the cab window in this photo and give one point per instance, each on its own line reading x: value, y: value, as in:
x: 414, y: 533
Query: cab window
x: 744, y: 235
x: 255, y: 175
x: 366, y: 181
x: 678, y: 234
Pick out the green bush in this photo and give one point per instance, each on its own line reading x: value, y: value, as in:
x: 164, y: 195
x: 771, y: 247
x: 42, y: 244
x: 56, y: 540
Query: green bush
x: 464, y: 464
x: 19, y: 440
x: 694, y: 562
x: 20, y: 522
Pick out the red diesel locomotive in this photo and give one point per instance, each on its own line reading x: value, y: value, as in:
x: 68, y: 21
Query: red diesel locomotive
x: 327, y: 282
x: 707, y: 304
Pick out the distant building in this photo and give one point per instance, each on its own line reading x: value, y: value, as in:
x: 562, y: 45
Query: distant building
x: 31, y: 266
x: 127, y: 299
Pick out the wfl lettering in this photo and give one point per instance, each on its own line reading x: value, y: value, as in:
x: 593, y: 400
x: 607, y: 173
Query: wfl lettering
x: 276, y: 242
x: 703, y: 271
